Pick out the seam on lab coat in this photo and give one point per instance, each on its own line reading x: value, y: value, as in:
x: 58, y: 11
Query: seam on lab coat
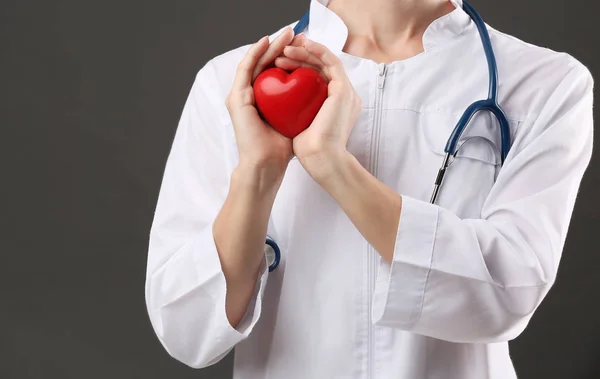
x: 448, y: 112
x: 437, y: 224
x: 393, y: 306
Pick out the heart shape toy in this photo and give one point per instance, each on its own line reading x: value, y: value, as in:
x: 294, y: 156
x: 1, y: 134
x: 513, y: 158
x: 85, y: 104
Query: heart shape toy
x: 289, y: 102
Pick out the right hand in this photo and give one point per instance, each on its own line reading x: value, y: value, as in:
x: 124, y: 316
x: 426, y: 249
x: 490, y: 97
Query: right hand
x: 259, y: 145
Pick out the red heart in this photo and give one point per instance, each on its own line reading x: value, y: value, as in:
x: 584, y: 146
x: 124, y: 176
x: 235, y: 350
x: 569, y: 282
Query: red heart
x: 289, y: 102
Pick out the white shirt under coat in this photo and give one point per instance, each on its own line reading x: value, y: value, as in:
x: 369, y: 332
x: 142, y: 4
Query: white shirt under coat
x: 467, y: 273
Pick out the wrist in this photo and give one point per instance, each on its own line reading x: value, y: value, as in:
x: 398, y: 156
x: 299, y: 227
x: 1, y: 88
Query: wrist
x: 328, y: 167
x: 261, y: 180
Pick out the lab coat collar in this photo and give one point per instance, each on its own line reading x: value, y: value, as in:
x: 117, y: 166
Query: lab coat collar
x: 327, y: 28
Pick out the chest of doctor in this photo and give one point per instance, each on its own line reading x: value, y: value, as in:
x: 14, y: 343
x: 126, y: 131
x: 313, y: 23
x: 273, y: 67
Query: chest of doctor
x: 410, y: 108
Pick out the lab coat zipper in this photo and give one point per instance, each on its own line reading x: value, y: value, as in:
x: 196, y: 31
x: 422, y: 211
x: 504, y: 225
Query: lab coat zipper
x: 381, y: 76
x: 371, y: 253
x: 382, y: 73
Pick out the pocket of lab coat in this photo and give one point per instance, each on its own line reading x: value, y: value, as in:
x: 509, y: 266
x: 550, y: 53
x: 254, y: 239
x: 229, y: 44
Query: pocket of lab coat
x: 474, y: 170
x: 480, y: 140
x: 411, y: 150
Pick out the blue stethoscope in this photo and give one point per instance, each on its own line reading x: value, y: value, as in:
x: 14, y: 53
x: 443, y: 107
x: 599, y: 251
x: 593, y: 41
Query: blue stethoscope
x: 490, y: 104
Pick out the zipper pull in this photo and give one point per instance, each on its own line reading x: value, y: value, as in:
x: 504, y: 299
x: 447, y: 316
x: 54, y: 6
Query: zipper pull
x: 381, y: 77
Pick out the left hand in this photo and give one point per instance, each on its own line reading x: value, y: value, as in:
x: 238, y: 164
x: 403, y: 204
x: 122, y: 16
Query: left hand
x: 322, y: 145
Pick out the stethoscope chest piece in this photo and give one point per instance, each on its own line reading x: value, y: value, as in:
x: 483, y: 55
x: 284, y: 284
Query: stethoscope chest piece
x: 272, y: 253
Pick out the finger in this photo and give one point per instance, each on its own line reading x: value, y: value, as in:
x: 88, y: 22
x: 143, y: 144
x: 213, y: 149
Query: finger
x: 334, y: 65
x: 298, y: 40
x: 299, y: 53
x: 275, y: 48
x: 288, y: 64
x: 246, y: 66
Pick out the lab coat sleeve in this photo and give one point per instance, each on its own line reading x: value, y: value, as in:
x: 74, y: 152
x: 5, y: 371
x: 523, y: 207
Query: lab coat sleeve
x: 480, y: 280
x: 185, y: 285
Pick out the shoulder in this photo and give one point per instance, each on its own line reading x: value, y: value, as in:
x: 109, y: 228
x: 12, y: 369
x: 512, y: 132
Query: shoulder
x: 219, y: 71
x: 545, y: 88
x: 521, y: 51
x: 536, y: 71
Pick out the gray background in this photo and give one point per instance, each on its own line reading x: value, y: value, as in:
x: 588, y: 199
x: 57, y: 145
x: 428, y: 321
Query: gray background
x: 90, y: 96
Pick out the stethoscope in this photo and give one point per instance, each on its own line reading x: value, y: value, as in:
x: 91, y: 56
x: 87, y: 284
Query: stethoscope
x: 490, y: 104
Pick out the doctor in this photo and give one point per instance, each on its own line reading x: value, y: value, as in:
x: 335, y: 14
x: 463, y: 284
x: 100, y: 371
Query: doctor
x: 374, y: 280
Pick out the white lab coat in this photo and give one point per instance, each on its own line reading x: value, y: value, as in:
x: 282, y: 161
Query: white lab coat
x: 467, y: 274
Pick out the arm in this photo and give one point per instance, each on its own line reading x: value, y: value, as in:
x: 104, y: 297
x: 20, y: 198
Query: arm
x: 373, y: 207
x: 196, y: 291
x: 241, y: 226
x: 206, y: 244
x: 476, y: 280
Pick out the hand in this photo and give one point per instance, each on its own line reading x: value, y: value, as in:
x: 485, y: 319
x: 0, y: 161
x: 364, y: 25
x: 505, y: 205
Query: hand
x: 322, y: 145
x: 259, y: 145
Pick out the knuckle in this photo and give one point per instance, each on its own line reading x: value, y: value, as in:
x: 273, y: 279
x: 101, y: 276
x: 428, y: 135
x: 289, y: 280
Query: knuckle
x: 244, y: 65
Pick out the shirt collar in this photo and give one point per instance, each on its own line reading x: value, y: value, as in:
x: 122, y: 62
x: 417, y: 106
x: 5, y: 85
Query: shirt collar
x: 327, y: 28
